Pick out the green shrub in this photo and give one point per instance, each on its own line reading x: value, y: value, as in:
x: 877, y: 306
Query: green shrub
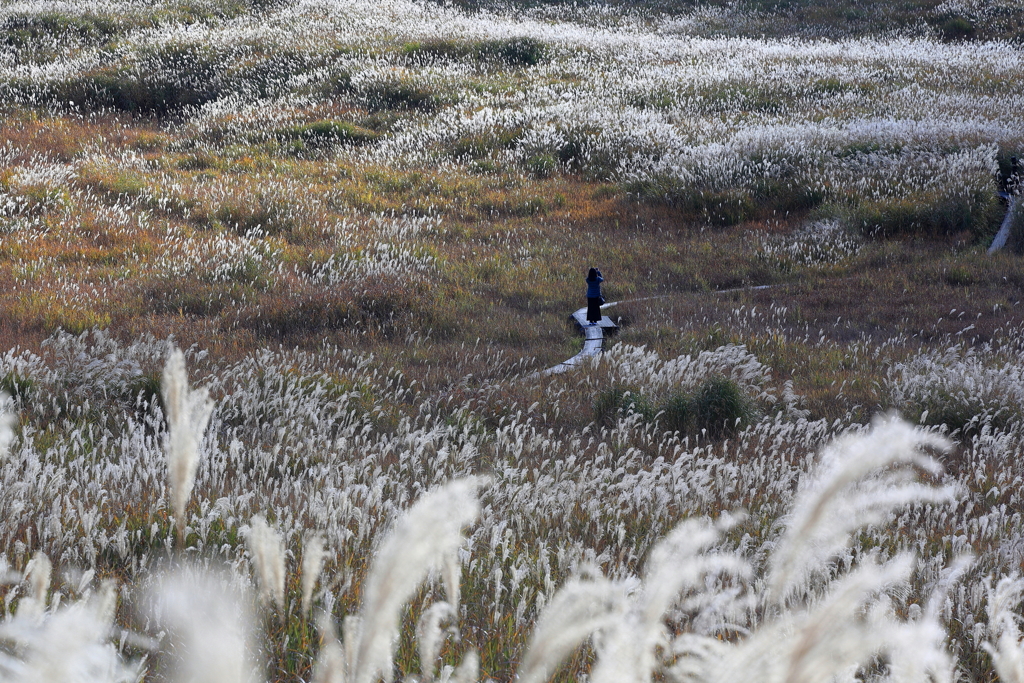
x: 271, y: 215
x: 677, y: 412
x: 17, y: 387
x: 512, y: 52
x: 928, y: 214
x: 957, y: 28
x: 782, y: 196
x: 959, y: 276
x: 165, y: 81
x: 268, y: 74
x: 720, y: 407
x: 325, y: 133
x: 611, y: 402
x: 480, y: 144
x: 718, y: 208
x: 541, y: 165
x: 21, y: 30
x: 144, y: 391
x: 437, y: 49
x: 966, y: 417
x: 401, y: 95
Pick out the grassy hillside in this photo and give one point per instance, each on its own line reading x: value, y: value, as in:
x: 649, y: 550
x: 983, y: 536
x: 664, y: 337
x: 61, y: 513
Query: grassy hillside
x: 368, y: 223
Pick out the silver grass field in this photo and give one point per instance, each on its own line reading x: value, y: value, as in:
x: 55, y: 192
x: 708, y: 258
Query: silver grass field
x: 318, y: 513
x: 798, y: 550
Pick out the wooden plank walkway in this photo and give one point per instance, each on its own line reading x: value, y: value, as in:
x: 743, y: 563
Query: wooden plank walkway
x: 593, y: 341
x: 594, y: 335
x: 1004, y: 230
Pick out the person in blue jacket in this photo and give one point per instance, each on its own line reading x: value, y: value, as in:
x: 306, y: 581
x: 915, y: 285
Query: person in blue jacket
x: 594, y: 298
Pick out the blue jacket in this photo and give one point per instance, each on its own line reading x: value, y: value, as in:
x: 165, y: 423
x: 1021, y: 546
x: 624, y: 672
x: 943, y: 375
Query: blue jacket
x: 594, y: 287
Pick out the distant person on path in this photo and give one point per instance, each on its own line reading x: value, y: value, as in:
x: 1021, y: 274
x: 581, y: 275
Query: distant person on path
x: 594, y: 298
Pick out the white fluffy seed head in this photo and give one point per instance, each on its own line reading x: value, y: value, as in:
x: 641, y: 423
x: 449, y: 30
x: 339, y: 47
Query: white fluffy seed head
x: 66, y: 644
x: 861, y: 478
x: 577, y: 610
x: 207, y: 620
x: 330, y: 662
x: 428, y: 533
x: 1008, y: 651
x: 313, y: 553
x: 188, y: 413
x: 267, y: 548
x: 37, y: 573
x: 430, y: 635
x: 7, y: 422
x: 468, y: 670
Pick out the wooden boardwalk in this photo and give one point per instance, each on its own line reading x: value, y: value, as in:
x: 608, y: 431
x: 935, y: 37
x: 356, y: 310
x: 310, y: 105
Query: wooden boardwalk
x: 594, y: 335
x: 1004, y: 230
x: 593, y: 342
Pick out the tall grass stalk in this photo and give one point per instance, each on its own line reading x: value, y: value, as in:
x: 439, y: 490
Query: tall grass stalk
x: 313, y: 555
x: 188, y: 413
x: 267, y: 548
x: 841, y: 497
x: 1004, y: 627
x: 424, y: 540
x: 209, y: 627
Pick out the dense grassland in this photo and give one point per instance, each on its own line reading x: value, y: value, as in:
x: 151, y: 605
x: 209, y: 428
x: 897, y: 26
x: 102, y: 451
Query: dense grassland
x: 366, y: 223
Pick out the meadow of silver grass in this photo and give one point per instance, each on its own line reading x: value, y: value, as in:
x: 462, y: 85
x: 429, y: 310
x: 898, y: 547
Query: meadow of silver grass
x: 810, y: 602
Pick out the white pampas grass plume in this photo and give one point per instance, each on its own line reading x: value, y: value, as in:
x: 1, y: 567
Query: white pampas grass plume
x: 188, y: 413
x: 430, y: 636
x: 468, y: 670
x: 206, y: 616
x: 860, y: 479
x: 330, y: 662
x: 267, y: 548
x: 579, y: 608
x: 678, y: 562
x: 37, y: 573
x: 69, y: 644
x: 846, y: 629
x: 313, y: 554
x: 7, y: 421
x: 1008, y: 652
x: 421, y: 542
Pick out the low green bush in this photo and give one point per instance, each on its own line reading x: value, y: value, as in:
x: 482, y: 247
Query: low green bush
x: 401, y: 95
x: 715, y: 207
x: 479, y: 145
x: 716, y: 408
x: 720, y: 407
x: 513, y: 52
x: 272, y: 215
x: 928, y: 214
x: 26, y: 29
x: 957, y: 28
x: 677, y: 412
x: 325, y: 133
x: 541, y: 165
x: 612, y: 402
x: 18, y: 387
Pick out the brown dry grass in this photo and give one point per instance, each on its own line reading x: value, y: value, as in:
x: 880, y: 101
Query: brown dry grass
x: 510, y: 256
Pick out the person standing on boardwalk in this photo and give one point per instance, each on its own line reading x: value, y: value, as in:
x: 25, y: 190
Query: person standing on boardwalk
x: 594, y: 298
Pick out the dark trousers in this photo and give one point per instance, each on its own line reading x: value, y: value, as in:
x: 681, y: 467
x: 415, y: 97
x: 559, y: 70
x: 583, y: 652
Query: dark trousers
x: 593, y: 309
